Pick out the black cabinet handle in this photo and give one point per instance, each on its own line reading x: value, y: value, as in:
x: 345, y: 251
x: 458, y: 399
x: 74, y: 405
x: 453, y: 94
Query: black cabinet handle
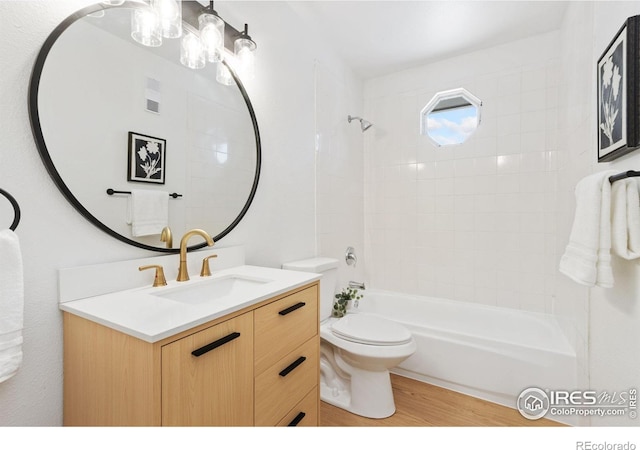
x: 215, y: 344
x: 286, y: 311
x: 292, y: 366
x: 297, y: 420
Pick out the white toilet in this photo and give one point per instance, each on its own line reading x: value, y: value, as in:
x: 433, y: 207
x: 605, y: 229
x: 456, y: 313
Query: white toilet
x: 356, y: 351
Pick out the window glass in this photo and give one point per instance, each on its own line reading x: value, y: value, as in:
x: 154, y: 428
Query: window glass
x: 451, y: 117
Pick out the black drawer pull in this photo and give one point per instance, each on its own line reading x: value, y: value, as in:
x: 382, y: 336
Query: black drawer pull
x: 297, y: 420
x: 286, y: 311
x: 292, y: 366
x: 215, y: 344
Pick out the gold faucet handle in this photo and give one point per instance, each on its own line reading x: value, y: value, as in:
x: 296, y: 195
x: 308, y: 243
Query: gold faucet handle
x: 159, y: 279
x: 206, y: 272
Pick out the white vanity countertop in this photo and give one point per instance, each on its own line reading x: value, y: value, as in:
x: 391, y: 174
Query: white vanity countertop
x: 141, y: 313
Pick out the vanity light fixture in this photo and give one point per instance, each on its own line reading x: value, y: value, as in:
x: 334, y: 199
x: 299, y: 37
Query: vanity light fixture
x: 163, y: 18
x: 211, y: 28
x: 145, y: 27
x: 205, y: 35
x: 245, y: 51
x: 221, y: 41
x: 170, y: 13
x: 192, y: 53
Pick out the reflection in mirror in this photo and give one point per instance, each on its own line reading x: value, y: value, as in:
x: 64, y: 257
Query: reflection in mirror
x: 95, y: 85
x: 450, y: 117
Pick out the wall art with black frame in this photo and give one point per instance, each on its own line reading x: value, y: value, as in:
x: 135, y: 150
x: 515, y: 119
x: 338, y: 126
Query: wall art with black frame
x: 618, y: 93
x: 147, y: 156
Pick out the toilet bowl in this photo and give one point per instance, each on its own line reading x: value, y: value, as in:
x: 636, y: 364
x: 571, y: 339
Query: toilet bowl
x: 356, y: 351
x: 363, y: 358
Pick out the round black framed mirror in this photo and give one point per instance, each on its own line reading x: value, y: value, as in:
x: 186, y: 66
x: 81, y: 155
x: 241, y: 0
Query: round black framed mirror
x: 93, y: 87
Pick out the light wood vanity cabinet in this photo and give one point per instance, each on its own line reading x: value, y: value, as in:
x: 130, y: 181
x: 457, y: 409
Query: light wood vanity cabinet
x: 207, y: 378
x: 258, y: 366
x: 286, y: 355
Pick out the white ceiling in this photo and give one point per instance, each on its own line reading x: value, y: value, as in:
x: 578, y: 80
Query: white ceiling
x: 381, y: 37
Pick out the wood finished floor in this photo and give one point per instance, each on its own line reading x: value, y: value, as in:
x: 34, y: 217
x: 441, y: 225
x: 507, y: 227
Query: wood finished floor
x: 421, y: 405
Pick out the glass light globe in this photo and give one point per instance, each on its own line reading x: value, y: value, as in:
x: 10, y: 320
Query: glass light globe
x: 145, y: 27
x: 212, y: 36
x: 192, y: 52
x: 170, y: 12
x: 245, y: 52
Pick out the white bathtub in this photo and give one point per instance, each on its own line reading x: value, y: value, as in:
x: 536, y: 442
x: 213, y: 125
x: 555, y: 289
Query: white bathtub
x: 488, y: 352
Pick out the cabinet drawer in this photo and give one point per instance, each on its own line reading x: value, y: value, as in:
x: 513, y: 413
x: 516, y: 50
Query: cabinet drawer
x: 280, y: 387
x: 283, y: 325
x: 304, y: 414
x: 207, y: 377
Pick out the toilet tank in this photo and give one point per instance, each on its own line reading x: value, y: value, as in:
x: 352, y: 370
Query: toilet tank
x: 328, y: 267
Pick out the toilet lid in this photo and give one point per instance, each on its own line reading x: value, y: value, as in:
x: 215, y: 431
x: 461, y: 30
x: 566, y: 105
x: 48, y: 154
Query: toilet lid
x: 372, y: 330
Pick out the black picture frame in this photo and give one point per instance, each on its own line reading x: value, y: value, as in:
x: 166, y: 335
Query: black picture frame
x: 618, y: 90
x: 146, y: 159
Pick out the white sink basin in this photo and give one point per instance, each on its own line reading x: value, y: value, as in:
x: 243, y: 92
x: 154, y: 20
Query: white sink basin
x: 155, y: 313
x: 212, y: 290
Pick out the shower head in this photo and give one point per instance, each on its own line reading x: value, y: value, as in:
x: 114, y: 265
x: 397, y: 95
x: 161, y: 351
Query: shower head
x: 364, y: 124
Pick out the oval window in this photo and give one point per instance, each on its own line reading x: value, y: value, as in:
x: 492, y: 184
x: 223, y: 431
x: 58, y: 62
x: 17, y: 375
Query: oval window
x: 451, y: 117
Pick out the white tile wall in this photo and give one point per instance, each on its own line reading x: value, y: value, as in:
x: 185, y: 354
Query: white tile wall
x: 474, y: 222
x: 339, y: 172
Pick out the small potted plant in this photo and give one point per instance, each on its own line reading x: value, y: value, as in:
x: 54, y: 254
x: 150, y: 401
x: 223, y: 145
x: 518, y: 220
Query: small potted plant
x: 342, y: 301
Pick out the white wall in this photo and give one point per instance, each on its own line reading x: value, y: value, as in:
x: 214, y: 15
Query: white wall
x: 614, y: 332
x: 473, y: 222
x: 279, y: 227
x: 608, y: 320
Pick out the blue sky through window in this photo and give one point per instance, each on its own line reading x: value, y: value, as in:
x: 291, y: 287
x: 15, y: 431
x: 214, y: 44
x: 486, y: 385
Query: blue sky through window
x: 452, y: 126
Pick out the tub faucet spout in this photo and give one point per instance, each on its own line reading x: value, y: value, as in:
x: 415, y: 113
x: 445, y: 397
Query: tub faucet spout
x: 356, y: 285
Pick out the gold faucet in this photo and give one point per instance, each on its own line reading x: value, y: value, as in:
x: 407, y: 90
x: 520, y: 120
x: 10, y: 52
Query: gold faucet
x: 183, y: 274
x: 167, y: 237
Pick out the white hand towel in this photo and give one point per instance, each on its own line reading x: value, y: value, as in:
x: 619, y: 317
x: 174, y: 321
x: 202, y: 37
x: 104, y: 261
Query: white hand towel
x: 148, y: 212
x: 625, y: 218
x: 587, y: 258
x: 11, y: 304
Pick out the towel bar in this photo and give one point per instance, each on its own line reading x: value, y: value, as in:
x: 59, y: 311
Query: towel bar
x: 623, y: 175
x: 111, y: 192
x: 16, y: 209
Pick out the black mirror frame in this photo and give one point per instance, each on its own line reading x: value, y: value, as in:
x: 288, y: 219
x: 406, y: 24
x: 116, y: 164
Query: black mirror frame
x: 34, y: 117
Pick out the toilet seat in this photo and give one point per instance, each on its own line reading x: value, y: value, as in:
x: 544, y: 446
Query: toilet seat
x: 370, y: 330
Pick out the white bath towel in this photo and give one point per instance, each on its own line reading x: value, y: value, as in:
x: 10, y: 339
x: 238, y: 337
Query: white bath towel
x: 11, y: 304
x: 625, y: 218
x: 587, y: 258
x: 148, y: 212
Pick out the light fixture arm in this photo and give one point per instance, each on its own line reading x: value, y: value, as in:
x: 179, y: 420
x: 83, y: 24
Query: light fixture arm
x: 245, y: 32
x: 191, y: 10
x: 210, y: 9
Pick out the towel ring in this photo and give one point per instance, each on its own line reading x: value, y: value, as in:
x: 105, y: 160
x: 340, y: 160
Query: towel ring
x: 16, y: 209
